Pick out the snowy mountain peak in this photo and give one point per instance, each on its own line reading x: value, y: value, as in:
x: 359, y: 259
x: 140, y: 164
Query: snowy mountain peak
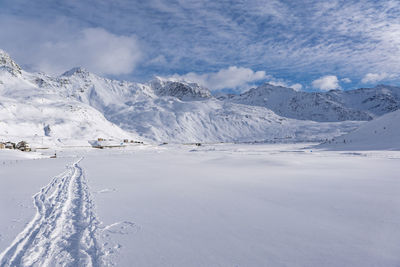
x: 78, y: 71
x: 8, y: 64
x: 180, y: 89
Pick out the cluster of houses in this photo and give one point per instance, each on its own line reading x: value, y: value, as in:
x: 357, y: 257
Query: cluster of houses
x: 100, y: 143
x: 23, y: 146
x: 111, y: 143
x: 125, y: 140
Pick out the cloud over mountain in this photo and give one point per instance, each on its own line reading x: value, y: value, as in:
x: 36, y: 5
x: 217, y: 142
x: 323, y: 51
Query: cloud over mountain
x: 326, y: 83
x: 232, y: 77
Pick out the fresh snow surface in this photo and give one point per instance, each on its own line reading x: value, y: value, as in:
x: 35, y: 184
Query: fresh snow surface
x: 213, y: 205
x: 382, y: 133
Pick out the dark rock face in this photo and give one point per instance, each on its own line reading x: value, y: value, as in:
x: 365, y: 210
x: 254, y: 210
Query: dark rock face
x: 79, y: 71
x: 47, y: 130
x: 182, y: 90
x: 8, y: 64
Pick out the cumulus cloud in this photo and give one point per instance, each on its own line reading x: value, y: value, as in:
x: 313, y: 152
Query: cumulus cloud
x: 232, y: 77
x: 346, y: 80
x: 59, y: 46
x: 94, y: 48
x: 326, y: 83
x: 377, y: 77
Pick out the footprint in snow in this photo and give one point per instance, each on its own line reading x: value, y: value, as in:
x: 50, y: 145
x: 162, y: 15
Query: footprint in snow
x: 122, y: 228
x: 106, y: 190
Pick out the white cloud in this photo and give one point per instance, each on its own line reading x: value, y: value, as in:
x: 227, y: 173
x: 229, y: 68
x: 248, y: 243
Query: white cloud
x: 377, y: 77
x: 232, y: 77
x: 346, y: 80
x: 59, y: 46
x: 237, y: 78
x: 95, y: 49
x: 326, y: 83
x: 296, y: 86
x: 158, y: 60
x: 278, y: 82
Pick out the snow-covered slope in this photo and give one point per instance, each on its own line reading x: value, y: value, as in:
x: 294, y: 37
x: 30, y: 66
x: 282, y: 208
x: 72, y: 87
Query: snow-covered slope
x: 174, y: 111
x: 382, y: 133
x: 335, y: 105
x: 171, y: 120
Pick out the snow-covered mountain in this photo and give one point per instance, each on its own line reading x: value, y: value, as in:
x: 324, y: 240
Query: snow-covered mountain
x: 335, y: 105
x: 30, y: 108
x: 382, y: 133
x: 175, y: 111
x: 81, y: 105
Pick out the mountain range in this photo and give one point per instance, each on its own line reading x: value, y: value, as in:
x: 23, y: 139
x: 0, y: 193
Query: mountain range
x: 78, y: 106
x: 335, y: 105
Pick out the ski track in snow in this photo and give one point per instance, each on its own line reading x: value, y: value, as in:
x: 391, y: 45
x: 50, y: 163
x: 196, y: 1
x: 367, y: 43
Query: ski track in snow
x: 64, y: 229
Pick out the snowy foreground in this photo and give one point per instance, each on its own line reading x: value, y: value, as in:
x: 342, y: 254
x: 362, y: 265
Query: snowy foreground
x: 214, y: 205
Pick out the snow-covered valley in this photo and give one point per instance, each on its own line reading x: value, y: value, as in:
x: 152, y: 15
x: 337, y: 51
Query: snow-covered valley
x: 177, y: 133
x: 193, y: 179
x: 214, y: 205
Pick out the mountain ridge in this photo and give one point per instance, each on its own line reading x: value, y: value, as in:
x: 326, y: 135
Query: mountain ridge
x: 335, y: 105
x: 158, y: 111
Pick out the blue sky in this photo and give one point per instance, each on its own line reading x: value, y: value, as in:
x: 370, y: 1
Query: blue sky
x: 308, y: 45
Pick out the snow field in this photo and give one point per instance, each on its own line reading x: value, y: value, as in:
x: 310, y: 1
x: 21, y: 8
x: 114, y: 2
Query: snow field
x: 232, y: 205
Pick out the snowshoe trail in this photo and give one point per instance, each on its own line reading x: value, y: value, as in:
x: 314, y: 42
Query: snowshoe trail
x: 63, y: 231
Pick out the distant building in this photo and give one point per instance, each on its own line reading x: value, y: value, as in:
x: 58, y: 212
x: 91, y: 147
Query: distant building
x: 23, y: 146
x: 9, y: 145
